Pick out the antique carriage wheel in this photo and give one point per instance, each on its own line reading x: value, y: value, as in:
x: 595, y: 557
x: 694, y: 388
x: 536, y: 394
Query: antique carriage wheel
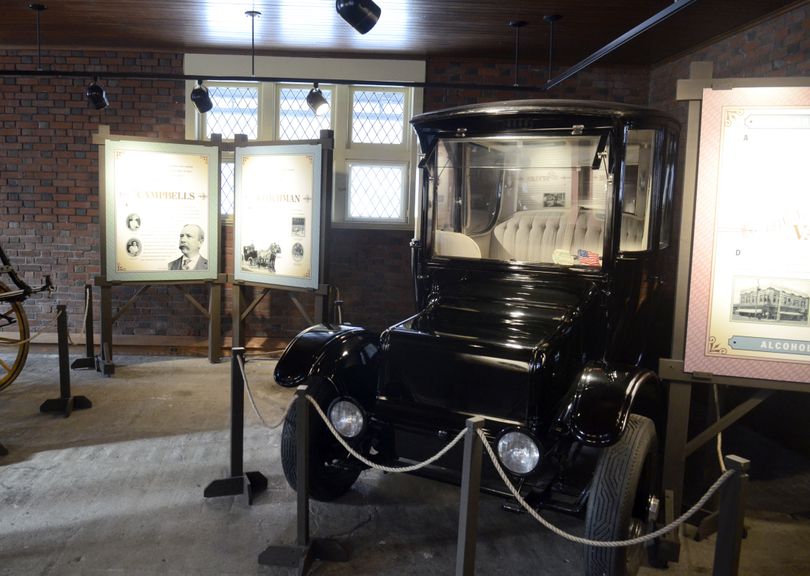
x: 13, y: 339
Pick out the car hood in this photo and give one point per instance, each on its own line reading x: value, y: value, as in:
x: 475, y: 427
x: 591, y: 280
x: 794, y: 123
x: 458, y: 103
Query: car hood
x: 475, y: 346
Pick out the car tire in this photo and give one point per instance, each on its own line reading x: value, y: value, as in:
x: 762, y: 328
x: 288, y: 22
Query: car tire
x: 326, y: 481
x: 624, y: 481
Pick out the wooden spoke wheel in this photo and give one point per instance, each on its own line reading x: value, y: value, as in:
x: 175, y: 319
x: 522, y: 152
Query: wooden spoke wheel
x: 14, y: 335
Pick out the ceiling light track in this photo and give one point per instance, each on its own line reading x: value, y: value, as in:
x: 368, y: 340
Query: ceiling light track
x: 276, y: 79
x: 677, y: 6
x: 673, y: 8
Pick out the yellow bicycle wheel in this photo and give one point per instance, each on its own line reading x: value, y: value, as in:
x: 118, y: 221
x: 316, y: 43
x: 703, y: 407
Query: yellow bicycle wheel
x: 13, y: 339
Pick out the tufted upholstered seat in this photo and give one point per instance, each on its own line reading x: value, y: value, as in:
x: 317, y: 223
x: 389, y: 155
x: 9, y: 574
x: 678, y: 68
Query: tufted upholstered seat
x: 534, y: 235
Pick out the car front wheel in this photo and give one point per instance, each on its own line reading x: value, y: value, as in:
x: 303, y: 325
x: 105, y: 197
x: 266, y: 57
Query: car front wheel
x: 623, y: 490
x: 330, y: 475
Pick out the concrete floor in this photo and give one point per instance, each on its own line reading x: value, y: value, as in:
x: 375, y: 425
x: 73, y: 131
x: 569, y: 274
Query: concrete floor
x: 118, y: 489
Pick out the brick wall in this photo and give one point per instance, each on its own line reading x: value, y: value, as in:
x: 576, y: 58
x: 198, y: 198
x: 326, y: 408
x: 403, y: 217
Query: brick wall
x: 49, y: 202
x: 49, y: 211
x: 627, y: 84
x: 777, y: 47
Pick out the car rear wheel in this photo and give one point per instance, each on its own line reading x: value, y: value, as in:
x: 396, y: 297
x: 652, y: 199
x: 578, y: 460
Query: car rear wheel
x: 623, y: 491
x: 329, y: 475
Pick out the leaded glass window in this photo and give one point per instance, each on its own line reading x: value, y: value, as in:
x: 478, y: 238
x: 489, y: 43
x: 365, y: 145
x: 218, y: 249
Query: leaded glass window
x: 295, y: 120
x: 378, y: 116
x: 235, y: 111
x: 376, y: 192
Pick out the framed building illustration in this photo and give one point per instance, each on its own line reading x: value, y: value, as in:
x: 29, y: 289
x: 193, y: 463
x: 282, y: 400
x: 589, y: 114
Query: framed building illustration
x: 161, y: 211
x: 277, y: 215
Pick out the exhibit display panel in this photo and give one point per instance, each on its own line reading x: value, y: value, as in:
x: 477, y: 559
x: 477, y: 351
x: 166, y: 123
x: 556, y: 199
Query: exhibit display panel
x: 750, y: 276
x: 161, y: 204
x: 277, y: 215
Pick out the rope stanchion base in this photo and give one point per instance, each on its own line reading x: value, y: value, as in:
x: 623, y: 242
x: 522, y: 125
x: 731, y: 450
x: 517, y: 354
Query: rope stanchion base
x: 66, y: 405
x: 106, y: 368
x: 306, y: 550
x: 251, y: 483
x: 238, y: 482
x: 67, y: 402
x: 302, y: 557
x: 83, y: 363
x: 89, y: 360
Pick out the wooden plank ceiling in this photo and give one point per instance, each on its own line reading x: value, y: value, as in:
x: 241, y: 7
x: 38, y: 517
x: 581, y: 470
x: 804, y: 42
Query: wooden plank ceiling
x: 407, y: 28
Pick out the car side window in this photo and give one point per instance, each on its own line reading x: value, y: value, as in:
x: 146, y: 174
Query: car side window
x: 637, y: 207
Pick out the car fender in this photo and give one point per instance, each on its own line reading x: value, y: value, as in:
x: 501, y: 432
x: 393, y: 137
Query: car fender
x: 605, y: 396
x: 344, y: 355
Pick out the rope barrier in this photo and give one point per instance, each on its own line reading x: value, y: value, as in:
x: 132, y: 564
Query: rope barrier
x: 374, y: 465
x: 86, y: 310
x: 499, y: 469
x: 9, y: 342
x: 241, y: 362
x: 601, y: 543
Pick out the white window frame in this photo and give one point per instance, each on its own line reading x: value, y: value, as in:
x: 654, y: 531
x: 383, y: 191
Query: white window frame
x: 364, y: 72
x: 403, y: 192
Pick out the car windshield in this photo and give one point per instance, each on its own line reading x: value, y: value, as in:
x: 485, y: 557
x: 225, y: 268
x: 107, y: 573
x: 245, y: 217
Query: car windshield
x: 539, y: 199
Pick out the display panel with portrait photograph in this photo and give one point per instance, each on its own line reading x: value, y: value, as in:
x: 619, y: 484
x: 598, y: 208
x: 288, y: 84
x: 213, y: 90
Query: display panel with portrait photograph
x: 161, y: 211
x: 750, y: 281
x: 277, y: 224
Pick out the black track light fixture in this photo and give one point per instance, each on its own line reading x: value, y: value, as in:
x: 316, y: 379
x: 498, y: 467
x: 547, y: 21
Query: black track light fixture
x: 361, y: 14
x: 316, y: 102
x: 96, y: 95
x: 201, y: 98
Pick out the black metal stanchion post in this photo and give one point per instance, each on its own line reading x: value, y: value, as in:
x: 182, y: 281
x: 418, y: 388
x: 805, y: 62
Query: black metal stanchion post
x: 470, y: 493
x: 238, y: 481
x: 730, y: 521
x: 3, y: 450
x: 89, y: 360
x: 65, y: 403
x: 306, y: 550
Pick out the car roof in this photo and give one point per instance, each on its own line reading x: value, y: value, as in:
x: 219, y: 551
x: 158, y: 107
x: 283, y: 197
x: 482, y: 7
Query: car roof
x: 543, y: 107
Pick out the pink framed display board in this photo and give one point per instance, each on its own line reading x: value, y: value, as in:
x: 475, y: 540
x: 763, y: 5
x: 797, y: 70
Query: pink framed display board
x: 749, y: 289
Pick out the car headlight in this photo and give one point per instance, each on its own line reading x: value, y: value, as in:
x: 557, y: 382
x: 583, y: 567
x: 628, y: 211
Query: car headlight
x: 518, y: 452
x: 347, y: 417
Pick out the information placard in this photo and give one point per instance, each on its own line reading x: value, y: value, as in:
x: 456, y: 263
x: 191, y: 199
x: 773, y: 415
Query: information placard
x: 277, y: 225
x: 750, y: 280
x: 161, y: 211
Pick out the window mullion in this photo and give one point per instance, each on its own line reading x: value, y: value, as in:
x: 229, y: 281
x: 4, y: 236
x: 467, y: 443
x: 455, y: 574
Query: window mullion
x: 268, y: 112
x: 342, y: 112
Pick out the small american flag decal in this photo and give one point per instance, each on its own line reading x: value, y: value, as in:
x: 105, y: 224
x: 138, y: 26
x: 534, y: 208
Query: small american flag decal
x: 588, y: 258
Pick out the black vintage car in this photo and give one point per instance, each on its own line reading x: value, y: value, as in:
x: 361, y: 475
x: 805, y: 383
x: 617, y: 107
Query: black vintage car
x: 544, y: 276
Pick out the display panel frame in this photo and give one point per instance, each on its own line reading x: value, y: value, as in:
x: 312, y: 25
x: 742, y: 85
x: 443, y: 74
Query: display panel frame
x: 154, y: 193
x: 277, y: 231
x: 751, y: 249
